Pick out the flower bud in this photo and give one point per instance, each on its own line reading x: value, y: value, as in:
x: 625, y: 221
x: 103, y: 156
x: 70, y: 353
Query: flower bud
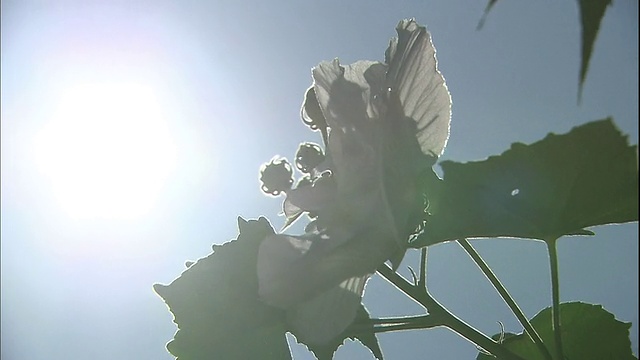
x: 309, y: 156
x: 276, y: 176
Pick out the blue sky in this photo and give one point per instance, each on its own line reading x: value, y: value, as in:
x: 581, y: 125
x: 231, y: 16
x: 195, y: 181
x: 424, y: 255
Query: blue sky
x: 87, y: 227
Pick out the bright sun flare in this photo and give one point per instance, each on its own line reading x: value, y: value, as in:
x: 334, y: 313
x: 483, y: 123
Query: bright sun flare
x: 107, y: 150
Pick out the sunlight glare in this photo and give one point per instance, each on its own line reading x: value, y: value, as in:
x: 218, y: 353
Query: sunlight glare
x: 107, y: 150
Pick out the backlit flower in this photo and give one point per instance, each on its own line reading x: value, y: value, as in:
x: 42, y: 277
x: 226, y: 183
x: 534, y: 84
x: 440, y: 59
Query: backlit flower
x: 383, y: 124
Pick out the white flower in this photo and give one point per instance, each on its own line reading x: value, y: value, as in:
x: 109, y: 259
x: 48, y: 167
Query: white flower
x: 387, y: 123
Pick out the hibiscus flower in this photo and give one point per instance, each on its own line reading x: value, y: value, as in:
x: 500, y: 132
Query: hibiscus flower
x: 383, y: 126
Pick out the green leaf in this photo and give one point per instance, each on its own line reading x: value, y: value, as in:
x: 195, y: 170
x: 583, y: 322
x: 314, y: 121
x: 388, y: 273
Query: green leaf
x: 216, y: 307
x: 591, y: 14
x: 588, y: 332
x: 554, y: 187
x: 364, y: 334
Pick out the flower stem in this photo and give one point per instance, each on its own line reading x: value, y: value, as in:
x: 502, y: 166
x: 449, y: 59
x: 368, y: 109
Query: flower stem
x: 408, y: 326
x: 508, y: 299
x: 396, y: 320
x: 443, y: 316
x: 396, y: 324
x: 555, y: 296
x: 422, y: 282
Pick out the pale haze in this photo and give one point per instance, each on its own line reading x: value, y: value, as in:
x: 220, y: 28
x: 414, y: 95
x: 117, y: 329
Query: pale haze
x: 133, y: 132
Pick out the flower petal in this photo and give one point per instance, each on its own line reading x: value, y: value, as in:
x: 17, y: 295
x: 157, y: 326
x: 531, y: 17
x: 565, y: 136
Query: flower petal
x: 415, y: 81
x: 308, y: 198
x: 344, y: 93
x: 347, y: 97
x: 322, y: 318
x: 312, y: 197
x: 311, y: 113
x: 293, y: 269
x: 355, y: 160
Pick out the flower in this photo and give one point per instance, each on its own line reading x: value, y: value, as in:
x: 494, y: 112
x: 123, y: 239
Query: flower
x: 383, y: 125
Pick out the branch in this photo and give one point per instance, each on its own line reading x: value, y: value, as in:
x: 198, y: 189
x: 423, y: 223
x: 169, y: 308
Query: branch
x: 422, y: 282
x: 443, y: 316
x: 531, y: 331
x: 396, y: 324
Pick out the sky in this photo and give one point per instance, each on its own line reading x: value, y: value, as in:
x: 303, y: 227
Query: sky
x: 133, y: 132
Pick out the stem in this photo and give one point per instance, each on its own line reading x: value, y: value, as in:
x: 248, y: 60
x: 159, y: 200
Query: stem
x: 396, y: 324
x: 431, y: 323
x: 395, y: 320
x: 555, y: 296
x: 508, y: 299
x: 444, y: 316
x: 422, y: 283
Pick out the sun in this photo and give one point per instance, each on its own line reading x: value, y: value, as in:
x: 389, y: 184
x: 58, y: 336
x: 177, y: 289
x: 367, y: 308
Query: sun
x: 107, y: 150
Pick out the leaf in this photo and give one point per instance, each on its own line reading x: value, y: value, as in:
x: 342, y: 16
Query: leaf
x: 591, y: 14
x: 487, y: 9
x: 554, y: 187
x: 366, y: 337
x: 216, y: 307
x: 588, y: 332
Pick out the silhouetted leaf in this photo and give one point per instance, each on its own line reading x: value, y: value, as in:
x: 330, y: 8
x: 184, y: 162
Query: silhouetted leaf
x: 367, y: 338
x: 588, y: 333
x: 486, y: 13
x: 216, y: 307
x: 554, y: 187
x: 591, y: 14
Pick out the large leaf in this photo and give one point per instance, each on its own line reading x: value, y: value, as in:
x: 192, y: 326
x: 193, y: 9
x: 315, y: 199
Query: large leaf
x: 588, y: 333
x: 557, y: 186
x: 591, y: 14
x: 216, y: 307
